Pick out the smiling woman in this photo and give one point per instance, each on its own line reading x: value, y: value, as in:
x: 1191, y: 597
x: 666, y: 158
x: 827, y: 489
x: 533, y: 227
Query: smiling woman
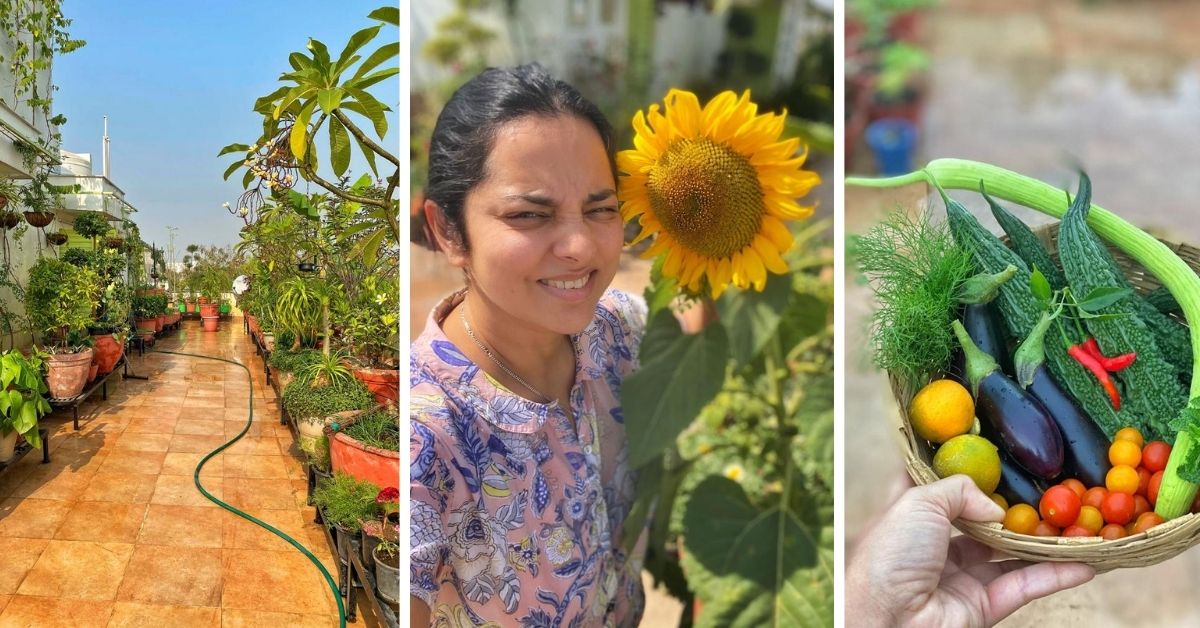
x: 519, y: 476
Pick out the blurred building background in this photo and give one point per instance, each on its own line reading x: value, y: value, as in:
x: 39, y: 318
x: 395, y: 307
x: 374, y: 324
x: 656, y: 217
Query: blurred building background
x: 1034, y: 87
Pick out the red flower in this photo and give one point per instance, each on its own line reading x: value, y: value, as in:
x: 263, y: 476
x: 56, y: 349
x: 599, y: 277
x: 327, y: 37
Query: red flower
x: 389, y: 494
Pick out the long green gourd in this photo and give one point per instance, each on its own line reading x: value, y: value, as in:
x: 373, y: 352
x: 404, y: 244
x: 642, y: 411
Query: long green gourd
x: 1152, y: 393
x: 1176, y: 493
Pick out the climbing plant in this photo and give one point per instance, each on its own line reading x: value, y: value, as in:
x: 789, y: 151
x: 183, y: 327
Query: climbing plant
x: 38, y: 31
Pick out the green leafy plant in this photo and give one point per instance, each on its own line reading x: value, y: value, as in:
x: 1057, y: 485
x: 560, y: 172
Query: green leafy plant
x: 298, y: 308
x: 345, y: 501
x: 326, y: 369
x: 22, y: 400
x: 377, y: 428
x: 371, y: 326
x: 143, y: 307
x: 60, y: 298
x: 91, y: 225
x: 305, y: 402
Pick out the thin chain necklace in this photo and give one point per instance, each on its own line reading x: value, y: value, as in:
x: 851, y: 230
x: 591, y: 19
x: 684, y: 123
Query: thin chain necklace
x: 470, y: 332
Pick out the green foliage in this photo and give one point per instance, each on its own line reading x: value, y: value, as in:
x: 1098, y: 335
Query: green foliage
x: 305, y: 401
x: 41, y: 30
x: 378, y: 429
x: 77, y: 257
x: 325, y: 370
x: 915, y: 268
x: 23, y: 384
x: 144, y: 307
x: 91, y: 225
x: 346, y: 501
x: 60, y: 298
x: 371, y: 326
x: 759, y: 452
x: 298, y: 308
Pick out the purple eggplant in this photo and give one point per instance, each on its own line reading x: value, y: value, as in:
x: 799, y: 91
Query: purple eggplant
x: 985, y: 332
x: 1017, y: 486
x: 1084, y: 443
x: 1026, y: 430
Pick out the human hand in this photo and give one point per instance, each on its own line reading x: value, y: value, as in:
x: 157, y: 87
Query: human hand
x: 908, y: 571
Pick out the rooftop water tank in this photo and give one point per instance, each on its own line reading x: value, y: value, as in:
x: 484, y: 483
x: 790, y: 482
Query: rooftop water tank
x: 78, y: 164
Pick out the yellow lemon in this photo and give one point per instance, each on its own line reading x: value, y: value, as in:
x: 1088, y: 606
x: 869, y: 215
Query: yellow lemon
x: 973, y: 456
x: 942, y: 410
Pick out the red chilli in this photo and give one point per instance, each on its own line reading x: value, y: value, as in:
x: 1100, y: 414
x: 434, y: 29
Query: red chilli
x: 1090, y: 362
x: 1113, y: 364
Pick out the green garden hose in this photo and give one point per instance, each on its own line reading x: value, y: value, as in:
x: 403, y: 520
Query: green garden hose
x: 337, y: 593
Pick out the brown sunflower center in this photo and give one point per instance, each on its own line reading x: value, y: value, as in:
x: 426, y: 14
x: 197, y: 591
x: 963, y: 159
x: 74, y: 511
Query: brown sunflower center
x: 707, y: 196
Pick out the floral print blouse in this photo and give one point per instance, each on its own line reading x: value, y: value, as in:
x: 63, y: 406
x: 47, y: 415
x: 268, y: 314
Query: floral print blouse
x: 517, y: 510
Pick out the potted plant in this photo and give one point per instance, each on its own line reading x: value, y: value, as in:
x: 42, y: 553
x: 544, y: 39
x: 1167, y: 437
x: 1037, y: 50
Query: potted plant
x: 367, y: 447
x: 56, y: 238
x: 310, y: 406
x: 111, y: 327
x: 286, y: 363
x: 145, y: 316
x: 21, y: 377
x: 345, y: 502
x: 91, y: 225
x: 387, y: 569
x: 60, y: 299
x: 372, y: 331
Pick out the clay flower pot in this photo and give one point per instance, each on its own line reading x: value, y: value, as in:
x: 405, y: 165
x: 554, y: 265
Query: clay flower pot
x: 39, y: 219
x: 383, y: 383
x: 67, y: 373
x: 209, y: 309
x: 378, y: 466
x: 57, y: 239
x: 108, y: 352
x: 94, y: 372
x: 210, y: 322
x: 159, y: 321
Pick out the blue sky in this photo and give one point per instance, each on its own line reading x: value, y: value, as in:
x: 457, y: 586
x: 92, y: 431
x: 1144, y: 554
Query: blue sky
x: 178, y: 81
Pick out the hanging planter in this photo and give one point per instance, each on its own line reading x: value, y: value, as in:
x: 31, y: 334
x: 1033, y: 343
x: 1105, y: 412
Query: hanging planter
x: 9, y: 219
x: 3, y: 201
x: 39, y: 219
x: 114, y: 242
x: 57, y: 239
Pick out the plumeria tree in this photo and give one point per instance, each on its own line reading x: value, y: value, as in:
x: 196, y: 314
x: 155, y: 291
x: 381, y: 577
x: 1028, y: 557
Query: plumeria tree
x: 324, y: 110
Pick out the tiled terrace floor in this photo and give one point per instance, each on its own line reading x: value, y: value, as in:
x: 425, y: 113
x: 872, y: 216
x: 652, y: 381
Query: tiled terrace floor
x: 113, y: 532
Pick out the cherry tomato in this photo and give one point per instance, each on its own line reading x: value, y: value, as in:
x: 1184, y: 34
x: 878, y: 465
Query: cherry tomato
x: 1122, y: 479
x: 1155, y: 455
x: 1118, y: 508
x: 1091, y: 519
x: 1152, y: 489
x: 1021, y: 518
x: 1075, y: 485
x: 1094, y: 496
x: 1125, y: 452
x: 1077, y: 531
x: 1129, y: 528
x: 1113, y: 531
x: 1000, y: 501
x: 1059, y: 506
x: 1146, y: 521
x: 1045, y: 529
x: 1130, y: 434
x: 1143, y: 481
x: 1140, y: 505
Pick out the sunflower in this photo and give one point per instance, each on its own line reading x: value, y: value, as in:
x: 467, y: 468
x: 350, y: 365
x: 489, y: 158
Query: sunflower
x: 714, y: 185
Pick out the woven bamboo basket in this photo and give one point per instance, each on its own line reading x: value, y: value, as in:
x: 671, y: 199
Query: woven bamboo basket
x: 1139, y: 550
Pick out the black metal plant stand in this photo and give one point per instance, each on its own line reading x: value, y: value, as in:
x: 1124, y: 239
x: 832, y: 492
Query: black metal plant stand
x: 101, y: 383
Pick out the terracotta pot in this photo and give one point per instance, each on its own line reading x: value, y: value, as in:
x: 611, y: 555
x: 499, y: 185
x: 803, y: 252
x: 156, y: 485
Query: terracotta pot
x: 378, y: 466
x: 209, y: 309
x: 108, y: 352
x: 94, y: 372
x: 159, y: 321
x: 210, y: 322
x: 146, y: 325
x: 383, y: 383
x: 191, y: 306
x: 252, y: 322
x: 67, y: 373
x: 39, y: 219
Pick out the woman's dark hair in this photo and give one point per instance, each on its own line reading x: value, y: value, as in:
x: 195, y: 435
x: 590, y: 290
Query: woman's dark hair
x: 467, y: 126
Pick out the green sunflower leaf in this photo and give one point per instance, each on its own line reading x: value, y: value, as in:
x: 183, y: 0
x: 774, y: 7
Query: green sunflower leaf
x: 751, y: 318
x: 752, y: 567
x: 679, y: 375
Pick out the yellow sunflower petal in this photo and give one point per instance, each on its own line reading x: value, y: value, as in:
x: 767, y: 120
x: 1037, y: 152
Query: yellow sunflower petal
x: 671, y: 265
x: 633, y: 162
x: 786, y: 208
x: 684, y: 112
x: 755, y: 271
x: 777, y: 232
x: 720, y: 105
x: 644, y: 139
x: 770, y: 255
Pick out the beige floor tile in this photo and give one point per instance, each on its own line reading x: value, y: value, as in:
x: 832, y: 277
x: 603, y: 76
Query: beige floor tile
x: 185, y: 464
x: 183, y: 526
x: 31, y: 518
x: 17, y: 557
x: 253, y: 493
x: 181, y: 576
x: 273, y: 581
x: 239, y: 618
x: 136, y: 615
x: 126, y: 488
x: 254, y: 467
x: 78, y: 570
x: 180, y: 490
x: 132, y: 441
x: 24, y: 611
x: 135, y: 462
x: 102, y: 522
x: 242, y: 534
x: 192, y: 443
x: 202, y: 427
x: 150, y: 426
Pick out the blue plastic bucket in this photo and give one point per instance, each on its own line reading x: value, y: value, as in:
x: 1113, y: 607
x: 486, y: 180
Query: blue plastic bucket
x: 892, y: 140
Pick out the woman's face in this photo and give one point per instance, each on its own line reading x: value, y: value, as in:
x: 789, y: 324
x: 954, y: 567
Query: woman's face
x: 543, y: 225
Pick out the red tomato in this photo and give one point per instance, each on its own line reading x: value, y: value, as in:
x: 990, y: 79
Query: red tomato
x: 1146, y: 521
x: 1060, y: 506
x: 1118, y: 508
x: 1155, y: 455
x: 1152, y: 490
x: 1075, y: 485
x: 1143, y: 480
x: 1045, y: 529
x: 1077, y: 531
x: 1113, y: 531
x: 1140, y: 505
x: 1094, y: 497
